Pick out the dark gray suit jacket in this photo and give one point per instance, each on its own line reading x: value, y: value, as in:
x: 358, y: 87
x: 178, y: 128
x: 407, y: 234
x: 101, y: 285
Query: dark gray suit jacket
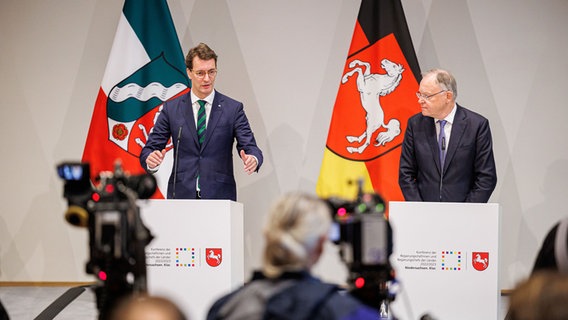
x: 469, y: 173
x: 212, y: 161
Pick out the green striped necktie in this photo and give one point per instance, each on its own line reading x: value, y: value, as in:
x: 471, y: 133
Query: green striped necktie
x: 201, y: 121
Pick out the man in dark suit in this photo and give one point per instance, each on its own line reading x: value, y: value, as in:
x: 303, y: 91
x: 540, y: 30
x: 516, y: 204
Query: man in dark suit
x: 203, y: 125
x: 454, y: 164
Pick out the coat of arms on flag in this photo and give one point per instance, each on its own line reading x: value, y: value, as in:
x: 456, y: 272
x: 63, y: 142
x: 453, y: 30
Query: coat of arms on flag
x: 131, y: 102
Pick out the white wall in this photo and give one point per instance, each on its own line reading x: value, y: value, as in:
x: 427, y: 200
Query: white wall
x: 279, y: 58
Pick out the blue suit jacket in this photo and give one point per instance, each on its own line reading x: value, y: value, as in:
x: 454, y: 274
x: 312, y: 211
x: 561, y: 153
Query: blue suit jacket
x: 469, y: 173
x: 212, y: 161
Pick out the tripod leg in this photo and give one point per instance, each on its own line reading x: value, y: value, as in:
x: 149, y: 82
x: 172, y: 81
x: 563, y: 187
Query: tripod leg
x: 60, y: 303
x: 3, y: 313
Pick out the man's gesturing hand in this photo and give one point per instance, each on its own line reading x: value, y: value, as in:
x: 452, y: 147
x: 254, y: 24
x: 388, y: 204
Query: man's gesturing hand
x: 249, y: 161
x: 155, y: 158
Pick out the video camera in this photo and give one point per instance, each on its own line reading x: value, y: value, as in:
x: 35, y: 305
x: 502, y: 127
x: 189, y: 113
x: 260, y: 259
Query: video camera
x: 117, y: 235
x: 364, y: 238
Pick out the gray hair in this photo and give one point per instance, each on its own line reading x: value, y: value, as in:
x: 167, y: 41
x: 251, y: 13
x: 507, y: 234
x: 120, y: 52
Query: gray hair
x: 445, y: 79
x: 295, y: 224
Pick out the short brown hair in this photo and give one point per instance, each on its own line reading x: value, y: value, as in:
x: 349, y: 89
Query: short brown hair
x: 543, y: 296
x: 203, y: 52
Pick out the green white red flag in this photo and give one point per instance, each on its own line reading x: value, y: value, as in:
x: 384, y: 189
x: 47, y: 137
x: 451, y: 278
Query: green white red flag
x: 145, y: 68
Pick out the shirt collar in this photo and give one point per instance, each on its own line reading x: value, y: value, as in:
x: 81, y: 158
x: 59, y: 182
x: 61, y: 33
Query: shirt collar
x: 209, y: 99
x: 450, y: 117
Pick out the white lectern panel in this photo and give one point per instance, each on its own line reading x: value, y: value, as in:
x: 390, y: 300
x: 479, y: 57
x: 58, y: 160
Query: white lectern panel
x: 197, y: 251
x: 446, y: 258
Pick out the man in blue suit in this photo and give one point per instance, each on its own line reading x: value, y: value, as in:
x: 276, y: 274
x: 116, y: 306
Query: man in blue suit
x: 203, y: 124
x: 447, y: 152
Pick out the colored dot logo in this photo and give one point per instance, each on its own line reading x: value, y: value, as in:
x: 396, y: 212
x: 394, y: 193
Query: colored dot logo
x: 186, y: 257
x: 451, y: 260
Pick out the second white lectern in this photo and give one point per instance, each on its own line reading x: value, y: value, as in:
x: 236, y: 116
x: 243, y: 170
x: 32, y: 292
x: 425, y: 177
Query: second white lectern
x: 446, y: 258
x: 197, y: 251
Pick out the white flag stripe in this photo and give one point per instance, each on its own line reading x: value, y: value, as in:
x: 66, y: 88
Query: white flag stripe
x: 152, y: 90
x: 126, y: 56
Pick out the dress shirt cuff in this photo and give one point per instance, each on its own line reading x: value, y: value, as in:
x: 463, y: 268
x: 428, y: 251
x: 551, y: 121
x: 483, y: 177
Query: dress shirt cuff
x: 153, y: 170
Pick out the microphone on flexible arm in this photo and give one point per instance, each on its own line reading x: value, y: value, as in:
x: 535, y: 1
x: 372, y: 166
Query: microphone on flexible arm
x: 176, y: 162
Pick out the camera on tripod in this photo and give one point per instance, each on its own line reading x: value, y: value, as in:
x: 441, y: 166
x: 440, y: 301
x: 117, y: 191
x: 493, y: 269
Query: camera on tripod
x: 117, y: 235
x: 364, y: 238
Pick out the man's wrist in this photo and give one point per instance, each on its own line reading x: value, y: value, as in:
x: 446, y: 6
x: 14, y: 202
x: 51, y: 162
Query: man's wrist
x: 153, y: 170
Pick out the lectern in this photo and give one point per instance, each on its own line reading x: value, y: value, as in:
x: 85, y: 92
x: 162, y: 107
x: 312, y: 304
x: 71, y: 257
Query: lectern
x: 446, y: 259
x: 197, y: 251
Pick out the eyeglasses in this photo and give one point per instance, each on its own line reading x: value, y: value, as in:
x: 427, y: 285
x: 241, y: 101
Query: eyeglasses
x: 427, y: 97
x: 201, y: 73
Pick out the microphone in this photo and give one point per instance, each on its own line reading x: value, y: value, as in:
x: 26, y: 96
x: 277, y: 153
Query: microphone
x: 442, y: 166
x: 441, y: 181
x: 176, y: 162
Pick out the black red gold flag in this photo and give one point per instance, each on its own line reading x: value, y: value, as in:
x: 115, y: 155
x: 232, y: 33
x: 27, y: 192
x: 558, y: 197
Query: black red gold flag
x: 376, y: 97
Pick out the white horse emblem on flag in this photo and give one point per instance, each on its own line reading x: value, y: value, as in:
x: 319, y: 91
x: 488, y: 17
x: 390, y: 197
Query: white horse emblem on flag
x: 371, y: 87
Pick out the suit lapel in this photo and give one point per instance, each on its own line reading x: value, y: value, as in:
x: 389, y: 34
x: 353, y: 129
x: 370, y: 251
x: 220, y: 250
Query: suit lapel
x: 214, y: 116
x: 432, y: 139
x: 189, y: 119
x: 458, y: 129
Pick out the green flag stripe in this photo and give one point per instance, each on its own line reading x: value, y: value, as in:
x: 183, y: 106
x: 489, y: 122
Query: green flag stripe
x: 162, y: 37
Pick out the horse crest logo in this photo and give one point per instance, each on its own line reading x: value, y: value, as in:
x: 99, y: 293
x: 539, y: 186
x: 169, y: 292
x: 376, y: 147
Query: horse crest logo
x: 372, y: 87
x: 480, y: 260
x: 214, y: 256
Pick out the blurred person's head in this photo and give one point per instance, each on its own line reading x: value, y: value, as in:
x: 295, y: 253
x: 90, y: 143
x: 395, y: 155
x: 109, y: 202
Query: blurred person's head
x: 296, y: 231
x: 543, y: 296
x: 147, y: 308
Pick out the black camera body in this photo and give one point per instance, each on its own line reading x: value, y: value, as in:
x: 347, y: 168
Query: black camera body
x: 117, y: 235
x: 364, y: 238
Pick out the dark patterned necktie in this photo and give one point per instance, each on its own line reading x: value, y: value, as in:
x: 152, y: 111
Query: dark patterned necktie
x: 201, y: 125
x: 201, y: 121
x: 442, y: 142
